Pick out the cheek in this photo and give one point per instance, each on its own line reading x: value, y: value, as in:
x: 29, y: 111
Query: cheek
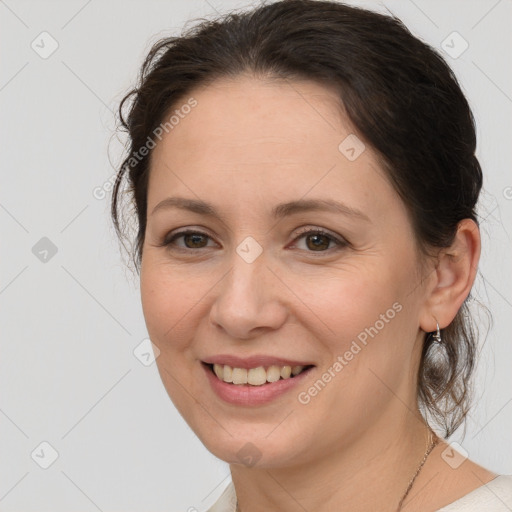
x: 347, y: 304
x: 367, y: 314
x: 171, y: 300
x: 362, y: 339
x: 171, y: 304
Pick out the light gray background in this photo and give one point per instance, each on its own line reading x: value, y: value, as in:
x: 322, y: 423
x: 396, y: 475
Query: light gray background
x: 69, y: 325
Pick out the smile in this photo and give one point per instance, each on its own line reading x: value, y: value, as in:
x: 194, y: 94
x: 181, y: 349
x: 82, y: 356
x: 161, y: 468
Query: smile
x: 256, y: 376
x: 241, y: 392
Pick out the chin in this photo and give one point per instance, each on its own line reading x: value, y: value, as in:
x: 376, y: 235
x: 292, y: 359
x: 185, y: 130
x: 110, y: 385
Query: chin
x: 252, y: 450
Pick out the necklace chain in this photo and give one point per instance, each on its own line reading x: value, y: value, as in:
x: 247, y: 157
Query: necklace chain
x: 431, y: 446
x: 433, y: 443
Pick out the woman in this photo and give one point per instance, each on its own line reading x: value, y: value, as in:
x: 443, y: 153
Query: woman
x: 304, y: 179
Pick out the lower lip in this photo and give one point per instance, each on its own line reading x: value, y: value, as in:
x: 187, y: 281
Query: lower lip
x: 246, y: 394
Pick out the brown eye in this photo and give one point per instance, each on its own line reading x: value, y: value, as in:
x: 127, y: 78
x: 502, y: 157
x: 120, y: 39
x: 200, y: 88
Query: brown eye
x: 194, y: 240
x: 191, y: 239
x: 318, y: 241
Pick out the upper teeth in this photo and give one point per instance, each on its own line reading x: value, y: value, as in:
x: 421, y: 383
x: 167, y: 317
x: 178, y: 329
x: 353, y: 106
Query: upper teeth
x: 255, y: 376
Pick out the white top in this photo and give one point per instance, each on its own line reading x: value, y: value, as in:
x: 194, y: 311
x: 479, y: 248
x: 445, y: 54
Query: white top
x: 494, y: 496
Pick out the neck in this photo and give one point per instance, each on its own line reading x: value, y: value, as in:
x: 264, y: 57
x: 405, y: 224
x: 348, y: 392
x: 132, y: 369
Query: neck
x: 371, y: 471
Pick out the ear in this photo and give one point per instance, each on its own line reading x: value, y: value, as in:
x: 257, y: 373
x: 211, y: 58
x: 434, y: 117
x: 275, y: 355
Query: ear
x: 452, y: 278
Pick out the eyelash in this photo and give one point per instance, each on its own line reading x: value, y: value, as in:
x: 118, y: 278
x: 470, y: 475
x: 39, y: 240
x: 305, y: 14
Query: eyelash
x: 340, y: 243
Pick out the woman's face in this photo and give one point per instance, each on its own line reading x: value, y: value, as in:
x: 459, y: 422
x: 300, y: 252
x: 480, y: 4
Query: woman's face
x: 253, y: 283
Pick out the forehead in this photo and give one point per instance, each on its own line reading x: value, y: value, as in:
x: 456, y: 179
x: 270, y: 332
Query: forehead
x: 245, y: 116
x: 271, y: 103
x: 253, y: 135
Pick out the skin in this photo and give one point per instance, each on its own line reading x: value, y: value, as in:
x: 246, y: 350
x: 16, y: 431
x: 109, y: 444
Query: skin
x: 248, y: 145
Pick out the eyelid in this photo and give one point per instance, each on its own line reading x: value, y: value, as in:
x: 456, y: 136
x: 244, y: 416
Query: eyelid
x: 312, y: 229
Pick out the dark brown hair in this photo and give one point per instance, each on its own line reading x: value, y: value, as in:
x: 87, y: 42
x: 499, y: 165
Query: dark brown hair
x: 398, y: 92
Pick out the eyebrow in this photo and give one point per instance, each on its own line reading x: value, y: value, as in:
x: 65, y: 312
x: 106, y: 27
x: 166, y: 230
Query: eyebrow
x: 279, y: 211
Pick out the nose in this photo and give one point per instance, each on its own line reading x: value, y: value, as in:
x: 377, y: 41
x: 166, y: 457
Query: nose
x: 250, y: 300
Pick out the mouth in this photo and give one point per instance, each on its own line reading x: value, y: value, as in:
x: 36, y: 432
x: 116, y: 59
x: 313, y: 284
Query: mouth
x: 258, y: 376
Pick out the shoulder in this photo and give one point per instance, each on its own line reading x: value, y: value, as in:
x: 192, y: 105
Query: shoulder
x: 226, y: 501
x: 493, y: 496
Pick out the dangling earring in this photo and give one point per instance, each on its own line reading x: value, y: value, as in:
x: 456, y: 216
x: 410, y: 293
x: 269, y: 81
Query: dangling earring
x: 436, y: 338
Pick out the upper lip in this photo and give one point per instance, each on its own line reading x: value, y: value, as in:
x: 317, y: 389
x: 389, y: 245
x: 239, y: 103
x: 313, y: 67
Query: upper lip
x: 253, y: 361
